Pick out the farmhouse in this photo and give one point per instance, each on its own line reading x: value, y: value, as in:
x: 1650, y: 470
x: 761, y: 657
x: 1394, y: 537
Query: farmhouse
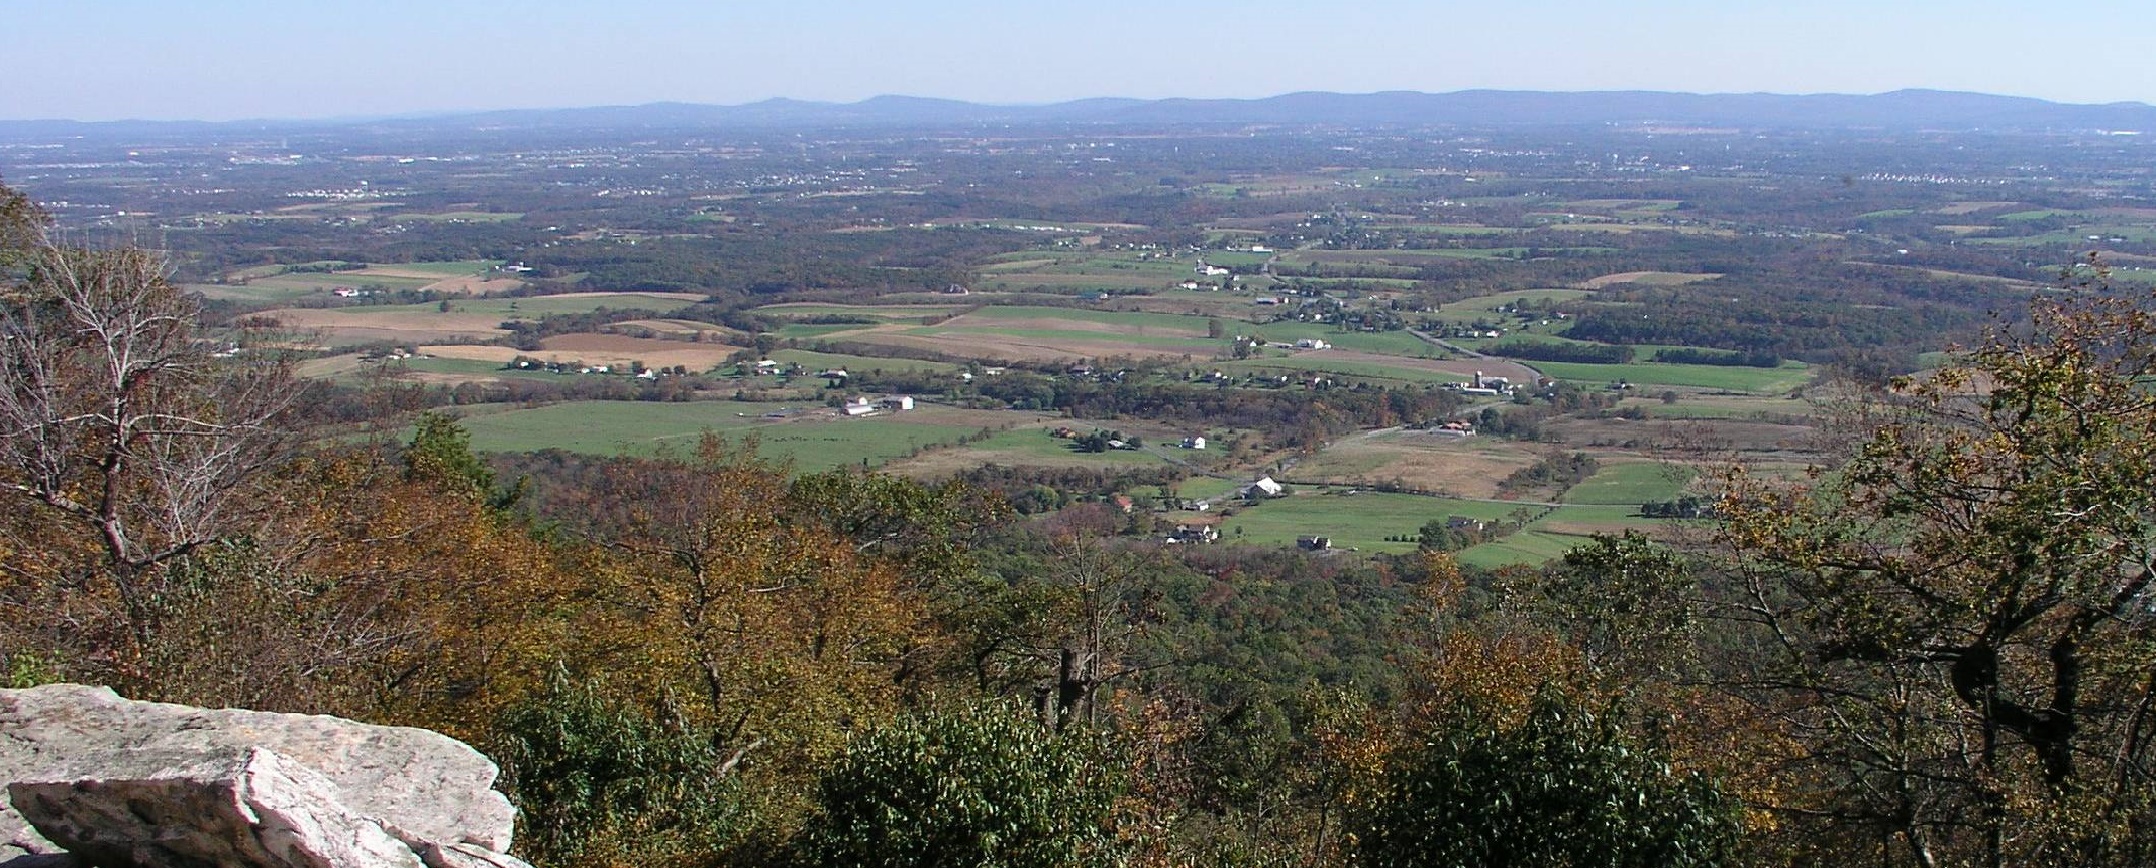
x: 1194, y: 443
x: 1198, y: 533
x: 1265, y: 486
x: 1457, y: 429
x: 1312, y: 344
x: 859, y: 406
x: 897, y: 402
x: 1314, y: 543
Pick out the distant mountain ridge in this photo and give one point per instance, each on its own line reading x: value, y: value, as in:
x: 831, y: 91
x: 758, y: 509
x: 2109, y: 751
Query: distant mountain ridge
x: 1899, y: 110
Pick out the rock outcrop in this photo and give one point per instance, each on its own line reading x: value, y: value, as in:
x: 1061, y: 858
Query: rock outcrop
x: 124, y: 784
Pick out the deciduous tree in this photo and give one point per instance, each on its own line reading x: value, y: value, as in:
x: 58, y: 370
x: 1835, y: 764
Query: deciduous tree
x: 1958, y: 624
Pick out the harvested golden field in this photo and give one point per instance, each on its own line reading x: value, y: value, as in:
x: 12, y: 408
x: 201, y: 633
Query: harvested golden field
x: 473, y: 352
x: 471, y: 285
x: 1070, y: 342
x: 611, y: 349
x: 684, y: 327
x: 1420, y: 460
x: 1650, y: 278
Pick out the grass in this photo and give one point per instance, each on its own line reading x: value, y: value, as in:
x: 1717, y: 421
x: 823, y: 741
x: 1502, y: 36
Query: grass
x: 1650, y: 374
x: 1172, y: 322
x: 1360, y: 521
x: 887, y: 313
x: 1236, y: 259
x: 418, y: 315
x: 1361, y: 370
x: 1631, y: 484
x: 640, y: 427
x: 1202, y: 487
x: 473, y: 368
x: 1018, y: 445
x: 274, y: 283
x: 1396, y: 343
x: 465, y: 217
x: 816, y: 361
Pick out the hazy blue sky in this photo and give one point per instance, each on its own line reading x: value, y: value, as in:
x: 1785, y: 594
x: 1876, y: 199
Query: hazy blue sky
x: 223, y: 59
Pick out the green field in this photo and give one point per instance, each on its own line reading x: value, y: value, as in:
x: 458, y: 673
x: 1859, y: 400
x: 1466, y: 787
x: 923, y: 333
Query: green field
x: 1650, y: 374
x: 465, y: 217
x: 471, y: 368
x: 1137, y: 322
x: 887, y: 313
x: 276, y: 283
x: 1018, y: 444
x: 1236, y: 258
x: 1073, y: 270
x: 1373, y: 371
x: 812, y: 332
x: 815, y: 361
x: 1362, y: 521
x: 1630, y: 485
x: 1203, y: 487
x: 1359, y: 521
x: 418, y: 315
x: 638, y: 427
x: 1528, y: 547
x: 1395, y: 343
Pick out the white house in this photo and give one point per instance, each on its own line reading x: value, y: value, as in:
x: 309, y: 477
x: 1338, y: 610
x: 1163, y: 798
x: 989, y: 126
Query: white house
x: 898, y: 402
x: 1265, y: 486
x: 1193, y: 443
x: 1312, y: 344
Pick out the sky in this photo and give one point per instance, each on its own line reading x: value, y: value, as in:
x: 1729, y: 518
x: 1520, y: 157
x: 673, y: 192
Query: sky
x: 238, y: 59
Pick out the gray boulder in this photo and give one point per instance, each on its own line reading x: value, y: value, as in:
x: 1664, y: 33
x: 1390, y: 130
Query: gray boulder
x: 275, y: 789
x: 250, y: 808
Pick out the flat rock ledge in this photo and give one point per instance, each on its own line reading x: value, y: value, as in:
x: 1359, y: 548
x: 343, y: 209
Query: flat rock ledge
x: 96, y: 780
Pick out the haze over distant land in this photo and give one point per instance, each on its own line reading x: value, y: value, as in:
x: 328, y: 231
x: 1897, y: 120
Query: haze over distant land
x: 1909, y: 110
x: 139, y: 59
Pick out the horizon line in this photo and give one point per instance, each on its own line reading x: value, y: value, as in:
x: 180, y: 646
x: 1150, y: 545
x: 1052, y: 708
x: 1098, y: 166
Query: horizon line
x: 438, y: 114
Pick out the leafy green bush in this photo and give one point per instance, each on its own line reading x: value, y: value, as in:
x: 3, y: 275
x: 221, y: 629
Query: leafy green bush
x: 601, y: 783
x: 982, y: 787
x: 1563, y: 787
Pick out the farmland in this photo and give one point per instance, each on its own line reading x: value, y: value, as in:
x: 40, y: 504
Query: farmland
x: 1327, y: 298
x: 810, y: 438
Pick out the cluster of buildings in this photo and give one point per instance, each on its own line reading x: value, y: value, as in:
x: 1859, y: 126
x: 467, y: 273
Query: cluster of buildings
x: 863, y: 406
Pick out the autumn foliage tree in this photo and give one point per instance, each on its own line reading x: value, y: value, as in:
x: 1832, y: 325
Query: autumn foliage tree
x: 129, y: 442
x: 1956, y: 625
x: 769, y: 635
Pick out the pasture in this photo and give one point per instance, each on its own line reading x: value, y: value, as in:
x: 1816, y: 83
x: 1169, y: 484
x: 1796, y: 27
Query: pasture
x: 1358, y: 521
x: 466, y: 320
x: 1647, y: 375
x: 813, y: 438
x: 1630, y: 484
x: 279, y: 283
x: 1049, y: 333
x: 1027, y: 445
